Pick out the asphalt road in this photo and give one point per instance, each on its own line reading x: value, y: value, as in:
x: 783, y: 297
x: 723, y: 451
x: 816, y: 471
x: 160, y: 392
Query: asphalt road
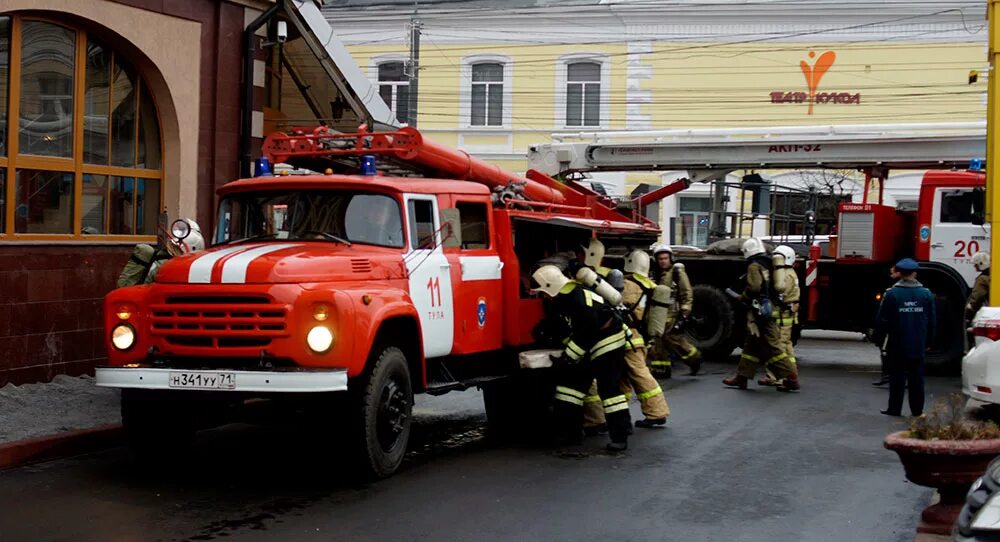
x: 731, y: 465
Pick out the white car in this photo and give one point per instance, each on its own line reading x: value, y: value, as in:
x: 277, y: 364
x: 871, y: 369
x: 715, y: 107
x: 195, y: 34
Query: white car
x: 981, y: 366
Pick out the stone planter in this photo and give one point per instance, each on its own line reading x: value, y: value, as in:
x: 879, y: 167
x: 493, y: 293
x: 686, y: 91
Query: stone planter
x: 950, y: 466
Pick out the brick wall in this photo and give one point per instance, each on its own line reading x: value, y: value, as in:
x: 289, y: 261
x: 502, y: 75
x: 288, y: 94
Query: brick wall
x: 51, y: 309
x: 51, y: 296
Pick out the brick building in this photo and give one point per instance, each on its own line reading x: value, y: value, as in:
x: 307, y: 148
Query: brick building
x: 127, y: 109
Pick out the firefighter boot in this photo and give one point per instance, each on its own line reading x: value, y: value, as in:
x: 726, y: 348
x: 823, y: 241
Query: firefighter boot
x: 768, y: 379
x: 789, y: 384
x: 617, y: 447
x: 694, y: 363
x: 650, y: 423
x: 738, y: 381
x: 594, y: 430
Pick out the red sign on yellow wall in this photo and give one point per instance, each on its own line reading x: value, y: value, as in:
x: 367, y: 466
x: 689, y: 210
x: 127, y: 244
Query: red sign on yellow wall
x: 814, y: 74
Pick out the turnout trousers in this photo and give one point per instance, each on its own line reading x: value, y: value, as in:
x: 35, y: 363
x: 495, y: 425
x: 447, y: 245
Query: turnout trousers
x: 573, y: 386
x: 766, y: 348
x: 636, y: 379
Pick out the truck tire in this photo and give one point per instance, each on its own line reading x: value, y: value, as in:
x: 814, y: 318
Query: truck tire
x: 158, y: 425
x: 945, y: 353
x: 383, y: 414
x: 713, y: 322
x: 518, y: 407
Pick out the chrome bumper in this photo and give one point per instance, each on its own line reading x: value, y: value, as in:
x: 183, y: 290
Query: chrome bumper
x: 302, y: 381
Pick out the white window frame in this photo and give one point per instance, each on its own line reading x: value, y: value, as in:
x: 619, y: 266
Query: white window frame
x: 465, y: 97
x: 374, y: 63
x: 562, y: 79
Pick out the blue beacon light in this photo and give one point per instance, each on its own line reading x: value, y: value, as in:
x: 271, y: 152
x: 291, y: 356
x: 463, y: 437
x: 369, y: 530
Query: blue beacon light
x: 976, y: 164
x: 368, y: 165
x: 262, y: 167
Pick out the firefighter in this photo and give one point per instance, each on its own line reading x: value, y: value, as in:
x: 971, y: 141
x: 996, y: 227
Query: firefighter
x: 595, y: 348
x: 763, y: 344
x: 980, y: 295
x: 608, y: 283
x: 146, y: 260
x: 637, y: 378
x: 786, y: 286
x: 674, y: 343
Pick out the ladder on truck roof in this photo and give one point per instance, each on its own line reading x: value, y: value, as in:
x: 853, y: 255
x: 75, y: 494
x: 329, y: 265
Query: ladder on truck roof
x: 710, y: 153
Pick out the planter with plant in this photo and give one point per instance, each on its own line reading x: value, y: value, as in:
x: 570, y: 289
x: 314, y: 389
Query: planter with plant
x: 946, y: 449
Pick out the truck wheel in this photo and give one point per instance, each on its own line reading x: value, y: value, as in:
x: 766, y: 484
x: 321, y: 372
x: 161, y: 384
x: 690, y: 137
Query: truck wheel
x: 517, y: 407
x: 384, y: 412
x: 157, y: 425
x: 945, y: 354
x: 712, y: 322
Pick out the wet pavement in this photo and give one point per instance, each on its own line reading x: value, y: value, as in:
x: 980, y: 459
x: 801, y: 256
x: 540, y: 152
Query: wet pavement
x: 731, y: 465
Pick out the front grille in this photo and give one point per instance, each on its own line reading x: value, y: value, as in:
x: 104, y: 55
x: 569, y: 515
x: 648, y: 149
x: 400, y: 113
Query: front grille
x: 219, y: 321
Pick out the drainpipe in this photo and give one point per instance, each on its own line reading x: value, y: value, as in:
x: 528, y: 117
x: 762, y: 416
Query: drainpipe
x: 246, y: 156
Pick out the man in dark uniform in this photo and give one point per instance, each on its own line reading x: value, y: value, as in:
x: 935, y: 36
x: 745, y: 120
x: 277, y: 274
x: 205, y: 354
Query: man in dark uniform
x: 595, y: 348
x: 905, y: 323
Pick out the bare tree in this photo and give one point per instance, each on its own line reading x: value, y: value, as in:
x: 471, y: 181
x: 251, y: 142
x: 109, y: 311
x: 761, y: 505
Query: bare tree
x: 831, y: 186
x: 833, y: 182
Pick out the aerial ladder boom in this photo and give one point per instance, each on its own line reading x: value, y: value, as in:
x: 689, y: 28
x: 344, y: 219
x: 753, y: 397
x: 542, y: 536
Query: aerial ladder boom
x: 902, y: 146
x: 319, y: 148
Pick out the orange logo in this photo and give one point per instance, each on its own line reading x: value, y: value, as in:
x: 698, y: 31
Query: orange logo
x: 814, y: 73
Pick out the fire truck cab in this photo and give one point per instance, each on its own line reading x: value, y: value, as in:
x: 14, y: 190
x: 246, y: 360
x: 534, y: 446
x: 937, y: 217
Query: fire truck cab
x: 362, y: 288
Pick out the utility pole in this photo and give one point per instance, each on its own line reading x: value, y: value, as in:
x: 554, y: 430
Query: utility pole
x: 992, y: 152
x: 413, y: 66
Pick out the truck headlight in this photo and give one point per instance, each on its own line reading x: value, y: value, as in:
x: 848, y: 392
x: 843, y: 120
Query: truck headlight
x: 319, y: 339
x: 123, y: 336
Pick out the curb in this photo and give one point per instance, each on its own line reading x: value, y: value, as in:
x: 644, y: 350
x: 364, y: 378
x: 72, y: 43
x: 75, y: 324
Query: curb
x: 50, y: 447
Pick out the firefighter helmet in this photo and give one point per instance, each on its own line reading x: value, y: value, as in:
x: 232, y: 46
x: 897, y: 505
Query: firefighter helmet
x: 663, y: 247
x: 594, y: 254
x: 787, y: 252
x: 637, y: 261
x: 752, y: 247
x: 981, y: 261
x: 184, y: 237
x: 550, y: 280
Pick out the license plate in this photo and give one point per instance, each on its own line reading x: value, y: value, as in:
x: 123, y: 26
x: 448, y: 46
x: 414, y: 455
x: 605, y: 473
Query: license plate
x: 204, y: 381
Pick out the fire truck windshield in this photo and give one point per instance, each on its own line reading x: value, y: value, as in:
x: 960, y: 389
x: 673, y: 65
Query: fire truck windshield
x: 321, y: 215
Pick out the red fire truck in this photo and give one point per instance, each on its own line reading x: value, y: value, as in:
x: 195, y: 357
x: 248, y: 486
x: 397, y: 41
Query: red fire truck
x: 364, y: 288
x: 841, y: 285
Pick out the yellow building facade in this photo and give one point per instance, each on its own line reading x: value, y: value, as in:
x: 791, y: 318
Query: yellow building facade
x: 496, y: 80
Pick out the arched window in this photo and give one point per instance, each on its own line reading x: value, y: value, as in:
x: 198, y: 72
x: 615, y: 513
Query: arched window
x: 83, y: 160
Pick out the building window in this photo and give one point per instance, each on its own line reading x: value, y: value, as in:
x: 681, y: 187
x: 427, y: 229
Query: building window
x: 583, y: 94
x: 84, y: 159
x: 487, y: 94
x: 394, y: 87
x: 693, y: 215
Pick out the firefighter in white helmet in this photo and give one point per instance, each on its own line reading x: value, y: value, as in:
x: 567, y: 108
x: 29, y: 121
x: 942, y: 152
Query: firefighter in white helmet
x: 763, y: 344
x: 786, y: 286
x: 674, y: 342
x: 637, y: 379
x: 608, y: 283
x: 184, y: 237
x: 595, y: 348
x: 980, y: 295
